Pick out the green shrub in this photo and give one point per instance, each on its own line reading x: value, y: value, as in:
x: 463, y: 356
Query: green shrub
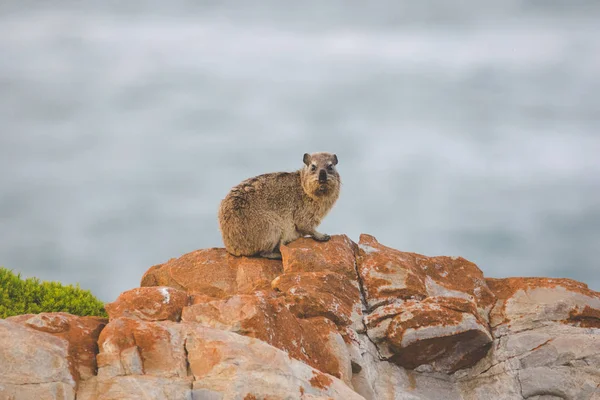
x: 30, y: 296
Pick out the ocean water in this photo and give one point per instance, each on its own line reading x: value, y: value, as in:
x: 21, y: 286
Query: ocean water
x: 470, y: 128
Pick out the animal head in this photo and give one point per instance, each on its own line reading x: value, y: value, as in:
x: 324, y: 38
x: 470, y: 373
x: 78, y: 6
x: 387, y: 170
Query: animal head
x: 320, y: 176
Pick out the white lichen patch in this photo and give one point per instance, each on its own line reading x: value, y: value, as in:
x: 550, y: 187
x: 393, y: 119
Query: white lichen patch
x: 368, y: 249
x: 396, y: 278
x: 335, y: 306
x: 166, y: 295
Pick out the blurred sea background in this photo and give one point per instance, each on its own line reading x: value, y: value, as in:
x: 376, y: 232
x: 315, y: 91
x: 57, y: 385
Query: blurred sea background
x: 466, y: 128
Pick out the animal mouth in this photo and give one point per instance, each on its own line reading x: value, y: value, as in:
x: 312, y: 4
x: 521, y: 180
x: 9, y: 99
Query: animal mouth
x: 322, y: 188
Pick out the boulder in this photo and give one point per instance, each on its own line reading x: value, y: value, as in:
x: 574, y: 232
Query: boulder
x: 308, y: 255
x: 34, y: 364
x: 80, y: 333
x: 136, y: 347
x: 431, y: 312
x: 214, y: 272
x: 439, y: 333
x: 327, y: 294
x: 241, y: 367
x: 546, y: 342
x: 389, y: 275
x: 164, y: 359
x: 556, y: 360
x: 268, y: 319
x: 526, y: 303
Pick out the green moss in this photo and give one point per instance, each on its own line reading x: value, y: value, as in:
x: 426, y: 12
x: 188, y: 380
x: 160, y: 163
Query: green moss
x: 30, y: 296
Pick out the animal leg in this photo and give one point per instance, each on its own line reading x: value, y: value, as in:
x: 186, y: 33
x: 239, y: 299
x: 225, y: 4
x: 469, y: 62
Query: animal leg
x: 318, y: 236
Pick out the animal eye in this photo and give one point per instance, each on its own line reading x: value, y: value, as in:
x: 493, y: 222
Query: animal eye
x: 313, y: 167
x: 330, y: 167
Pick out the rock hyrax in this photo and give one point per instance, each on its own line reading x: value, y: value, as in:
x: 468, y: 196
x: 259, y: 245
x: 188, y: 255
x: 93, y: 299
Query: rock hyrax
x: 264, y: 212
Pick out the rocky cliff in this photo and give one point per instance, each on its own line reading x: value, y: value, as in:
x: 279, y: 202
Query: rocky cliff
x: 334, y: 320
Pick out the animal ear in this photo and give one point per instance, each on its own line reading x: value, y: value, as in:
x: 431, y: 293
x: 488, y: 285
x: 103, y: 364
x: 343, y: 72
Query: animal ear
x: 335, y: 160
x: 306, y: 158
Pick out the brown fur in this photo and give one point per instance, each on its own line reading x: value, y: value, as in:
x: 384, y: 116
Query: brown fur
x: 263, y: 212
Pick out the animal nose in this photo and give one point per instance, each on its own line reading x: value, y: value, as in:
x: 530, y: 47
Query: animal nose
x: 322, y: 175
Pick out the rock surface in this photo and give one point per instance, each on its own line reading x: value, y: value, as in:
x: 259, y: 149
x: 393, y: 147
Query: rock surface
x: 80, y: 333
x: 213, y: 272
x: 33, y: 364
x: 149, y: 303
x: 333, y: 320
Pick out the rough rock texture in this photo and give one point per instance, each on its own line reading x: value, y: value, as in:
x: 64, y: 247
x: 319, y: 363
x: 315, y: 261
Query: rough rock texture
x: 247, y: 368
x: 269, y: 320
x: 547, y: 342
x: 137, y: 347
x: 213, y: 272
x: 333, y: 320
x: 33, y: 364
x: 526, y: 303
x: 336, y: 255
x: 327, y: 294
x: 149, y: 303
x: 80, y: 333
x: 444, y: 333
x: 430, y: 311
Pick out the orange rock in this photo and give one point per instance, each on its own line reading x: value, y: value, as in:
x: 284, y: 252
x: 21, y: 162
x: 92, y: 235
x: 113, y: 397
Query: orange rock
x: 335, y: 343
x: 585, y: 317
x: 197, y: 298
x: 446, y: 333
x: 389, y: 274
x: 253, y: 273
x: 136, y: 347
x: 209, y: 325
x: 81, y: 334
x: 320, y: 381
x: 267, y: 318
x: 149, y: 303
x: 526, y: 303
x: 214, y: 272
x: 308, y: 255
x: 167, y: 360
x: 227, y: 365
x: 327, y: 294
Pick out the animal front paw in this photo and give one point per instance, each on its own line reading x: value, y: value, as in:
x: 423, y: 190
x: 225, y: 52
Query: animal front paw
x: 322, y: 237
